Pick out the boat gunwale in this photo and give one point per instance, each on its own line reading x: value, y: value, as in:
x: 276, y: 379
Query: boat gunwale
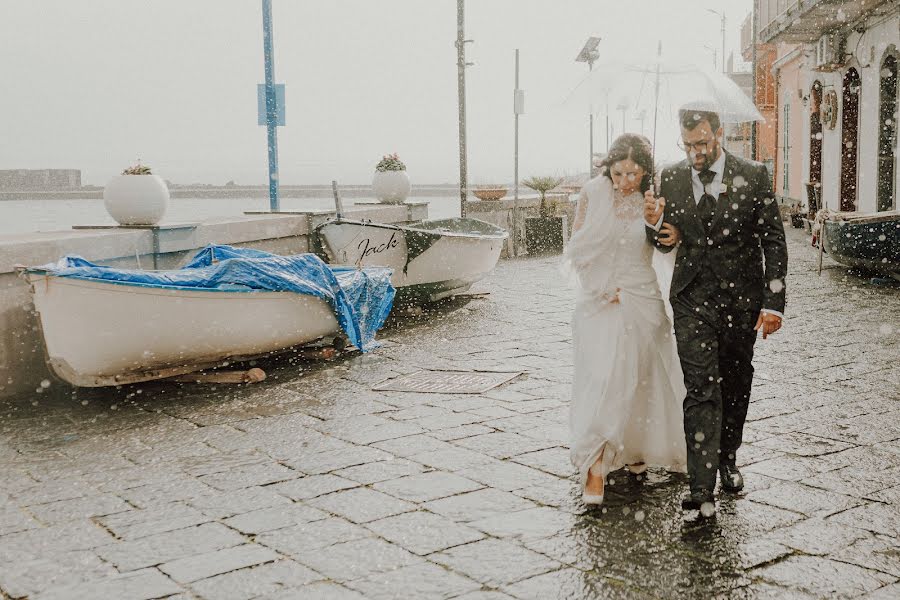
x: 150, y: 286
x: 500, y: 235
x: 862, y: 219
x: 45, y: 273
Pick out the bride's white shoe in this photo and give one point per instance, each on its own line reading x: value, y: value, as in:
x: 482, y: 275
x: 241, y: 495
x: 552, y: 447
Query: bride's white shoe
x: 594, y: 499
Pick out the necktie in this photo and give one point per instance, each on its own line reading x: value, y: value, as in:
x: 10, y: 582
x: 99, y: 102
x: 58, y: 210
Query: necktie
x: 706, y: 208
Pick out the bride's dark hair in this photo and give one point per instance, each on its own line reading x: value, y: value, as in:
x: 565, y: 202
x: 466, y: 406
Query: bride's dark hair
x: 637, y: 148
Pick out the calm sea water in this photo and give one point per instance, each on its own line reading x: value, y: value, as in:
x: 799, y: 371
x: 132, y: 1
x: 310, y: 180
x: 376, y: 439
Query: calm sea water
x: 27, y: 216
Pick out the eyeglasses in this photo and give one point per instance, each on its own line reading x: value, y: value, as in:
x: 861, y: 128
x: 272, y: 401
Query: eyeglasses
x: 701, y: 147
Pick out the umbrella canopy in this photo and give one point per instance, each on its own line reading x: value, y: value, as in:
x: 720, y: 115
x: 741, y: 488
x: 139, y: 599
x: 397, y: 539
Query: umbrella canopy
x: 681, y: 85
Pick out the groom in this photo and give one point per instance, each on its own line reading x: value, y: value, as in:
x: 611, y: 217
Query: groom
x: 728, y: 285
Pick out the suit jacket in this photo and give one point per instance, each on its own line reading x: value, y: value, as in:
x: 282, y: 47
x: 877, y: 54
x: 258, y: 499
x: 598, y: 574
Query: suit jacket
x: 745, y: 245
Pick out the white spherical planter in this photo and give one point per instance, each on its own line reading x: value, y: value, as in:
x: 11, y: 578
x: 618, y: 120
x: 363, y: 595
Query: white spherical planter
x: 136, y: 199
x: 391, y: 187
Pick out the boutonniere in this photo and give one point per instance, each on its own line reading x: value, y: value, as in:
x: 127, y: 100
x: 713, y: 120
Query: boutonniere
x: 727, y: 185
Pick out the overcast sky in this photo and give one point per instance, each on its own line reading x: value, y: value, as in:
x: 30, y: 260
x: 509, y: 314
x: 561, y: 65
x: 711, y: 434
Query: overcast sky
x: 95, y: 84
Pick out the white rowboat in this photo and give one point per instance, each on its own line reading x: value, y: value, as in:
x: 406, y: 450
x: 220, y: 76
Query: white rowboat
x: 431, y: 260
x: 100, y: 333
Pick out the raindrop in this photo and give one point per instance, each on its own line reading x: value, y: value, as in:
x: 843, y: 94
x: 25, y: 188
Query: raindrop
x: 776, y: 285
x: 639, y: 515
x: 699, y: 436
x: 885, y: 329
x: 45, y: 383
x: 707, y: 509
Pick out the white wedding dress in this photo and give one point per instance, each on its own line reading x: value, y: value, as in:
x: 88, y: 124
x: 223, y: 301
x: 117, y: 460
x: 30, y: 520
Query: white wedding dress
x: 628, y: 389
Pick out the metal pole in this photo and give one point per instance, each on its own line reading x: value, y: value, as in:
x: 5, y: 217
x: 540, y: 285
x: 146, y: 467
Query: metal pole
x: 723, y: 40
x: 591, y: 125
x: 461, y: 84
x: 516, y: 112
x: 656, y: 105
x: 607, y: 122
x: 271, y: 108
x: 754, y: 21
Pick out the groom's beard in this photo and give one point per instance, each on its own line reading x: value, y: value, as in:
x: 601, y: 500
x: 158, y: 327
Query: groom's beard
x: 707, y: 159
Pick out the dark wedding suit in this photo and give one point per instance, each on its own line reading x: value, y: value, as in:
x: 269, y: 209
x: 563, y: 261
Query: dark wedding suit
x: 726, y: 271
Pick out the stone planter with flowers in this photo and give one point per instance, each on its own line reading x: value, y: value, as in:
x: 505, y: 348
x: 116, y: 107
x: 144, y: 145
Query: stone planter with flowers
x: 390, y: 182
x: 136, y: 197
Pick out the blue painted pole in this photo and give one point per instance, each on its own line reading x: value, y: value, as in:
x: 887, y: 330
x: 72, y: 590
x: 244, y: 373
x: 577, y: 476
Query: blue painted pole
x: 271, y: 108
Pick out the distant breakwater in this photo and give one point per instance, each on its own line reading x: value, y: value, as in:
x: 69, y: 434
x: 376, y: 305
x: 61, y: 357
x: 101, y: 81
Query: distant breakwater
x: 213, y: 192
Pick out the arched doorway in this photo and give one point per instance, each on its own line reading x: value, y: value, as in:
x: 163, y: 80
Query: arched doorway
x: 887, y: 134
x: 850, y: 140
x: 814, y: 193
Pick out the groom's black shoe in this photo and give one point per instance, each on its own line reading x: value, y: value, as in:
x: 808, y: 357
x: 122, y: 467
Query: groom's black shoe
x: 732, y: 480
x: 697, y: 500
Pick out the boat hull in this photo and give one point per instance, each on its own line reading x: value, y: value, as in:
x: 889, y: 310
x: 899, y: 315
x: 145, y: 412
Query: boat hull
x: 450, y: 263
x: 871, y: 242
x: 99, y: 333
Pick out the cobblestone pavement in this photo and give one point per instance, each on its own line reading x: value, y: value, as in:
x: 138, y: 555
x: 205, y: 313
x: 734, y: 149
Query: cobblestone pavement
x: 310, y: 485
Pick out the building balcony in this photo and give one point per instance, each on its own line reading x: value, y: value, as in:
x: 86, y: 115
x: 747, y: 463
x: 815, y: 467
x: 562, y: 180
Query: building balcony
x: 805, y: 21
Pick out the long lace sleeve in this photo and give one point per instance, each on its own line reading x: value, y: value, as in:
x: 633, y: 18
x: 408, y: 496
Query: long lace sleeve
x: 580, y: 210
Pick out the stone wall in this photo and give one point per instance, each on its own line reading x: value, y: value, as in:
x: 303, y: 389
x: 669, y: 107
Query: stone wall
x: 511, y: 214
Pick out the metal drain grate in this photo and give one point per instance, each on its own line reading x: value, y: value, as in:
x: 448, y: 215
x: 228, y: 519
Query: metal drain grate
x: 446, y: 382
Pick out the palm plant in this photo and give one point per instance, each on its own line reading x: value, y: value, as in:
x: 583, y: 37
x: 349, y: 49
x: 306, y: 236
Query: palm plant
x: 542, y: 185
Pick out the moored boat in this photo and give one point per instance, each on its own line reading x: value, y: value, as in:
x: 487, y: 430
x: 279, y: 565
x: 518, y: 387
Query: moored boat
x: 103, y: 326
x: 863, y: 240
x: 431, y: 260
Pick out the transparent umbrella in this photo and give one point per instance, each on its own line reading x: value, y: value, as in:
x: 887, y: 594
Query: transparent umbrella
x: 661, y: 89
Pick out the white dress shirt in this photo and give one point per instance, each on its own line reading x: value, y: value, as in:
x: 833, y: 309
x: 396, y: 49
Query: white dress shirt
x: 715, y: 189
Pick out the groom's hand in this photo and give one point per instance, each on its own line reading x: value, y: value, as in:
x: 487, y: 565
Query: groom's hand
x: 653, y: 207
x: 768, y: 324
x: 669, y: 235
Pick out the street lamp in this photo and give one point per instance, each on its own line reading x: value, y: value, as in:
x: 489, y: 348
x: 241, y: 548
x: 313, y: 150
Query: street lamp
x: 722, y: 16
x: 588, y: 55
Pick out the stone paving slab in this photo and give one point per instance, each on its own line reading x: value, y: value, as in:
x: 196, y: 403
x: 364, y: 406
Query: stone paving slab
x: 314, y: 485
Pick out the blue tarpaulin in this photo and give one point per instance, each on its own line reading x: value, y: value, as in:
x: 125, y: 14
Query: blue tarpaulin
x: 361, y: 299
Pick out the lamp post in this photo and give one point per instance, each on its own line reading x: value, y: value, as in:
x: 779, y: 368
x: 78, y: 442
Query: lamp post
x: 588, y: 55
x: 461, y: 65
x: 722, y: 16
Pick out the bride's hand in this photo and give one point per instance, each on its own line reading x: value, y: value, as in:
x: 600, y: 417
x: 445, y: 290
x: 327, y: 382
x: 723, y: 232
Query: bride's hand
x: 669, y: 235
x: 653, y: 207
x: 611, y: 298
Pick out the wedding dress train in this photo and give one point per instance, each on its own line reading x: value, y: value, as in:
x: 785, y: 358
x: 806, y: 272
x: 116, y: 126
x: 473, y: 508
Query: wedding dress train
x: 628, y: 387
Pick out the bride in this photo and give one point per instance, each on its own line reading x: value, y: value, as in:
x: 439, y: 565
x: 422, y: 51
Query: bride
x: 628, y: 389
